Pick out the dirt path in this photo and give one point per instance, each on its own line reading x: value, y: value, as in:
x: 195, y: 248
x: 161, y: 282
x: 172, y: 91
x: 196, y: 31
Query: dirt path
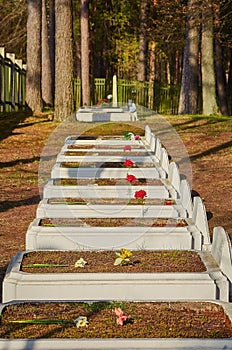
x: 208, y: 142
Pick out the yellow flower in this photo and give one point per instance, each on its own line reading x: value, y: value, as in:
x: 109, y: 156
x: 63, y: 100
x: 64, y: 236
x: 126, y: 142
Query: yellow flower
x: 123, y: 258
x: 125, y: 253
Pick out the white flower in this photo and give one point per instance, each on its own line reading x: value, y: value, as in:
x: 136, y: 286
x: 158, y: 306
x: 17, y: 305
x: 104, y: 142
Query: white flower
x: 80, y: 263
x: 81, y: 321
x: 132, y: 136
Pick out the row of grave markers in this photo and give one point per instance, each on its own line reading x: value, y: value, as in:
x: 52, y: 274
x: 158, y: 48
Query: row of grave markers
x: 214, y: 284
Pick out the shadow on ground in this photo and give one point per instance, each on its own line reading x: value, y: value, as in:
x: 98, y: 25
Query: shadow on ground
x: 9, y: 121
x: 6, y: 205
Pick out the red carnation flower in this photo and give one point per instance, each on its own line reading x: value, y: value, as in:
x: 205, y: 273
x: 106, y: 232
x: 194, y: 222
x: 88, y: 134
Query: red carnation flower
x: 137, y: 137
x: 131, y: 178
x: 141, y: 194
x: 128, y: 163
x: 127, y: 148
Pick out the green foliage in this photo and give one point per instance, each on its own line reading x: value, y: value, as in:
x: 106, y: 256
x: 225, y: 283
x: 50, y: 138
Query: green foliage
x: 76, y: 21
x: 95, y: 307
x: 113, y: 27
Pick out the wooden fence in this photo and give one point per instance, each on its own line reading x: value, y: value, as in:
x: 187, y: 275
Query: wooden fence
x: 162, y: 99
x: 12, y: 83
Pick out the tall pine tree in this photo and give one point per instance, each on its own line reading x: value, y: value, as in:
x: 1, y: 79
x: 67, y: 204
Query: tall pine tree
x: 33, y: 78
x: 64, y: 103
x: 188, y: 103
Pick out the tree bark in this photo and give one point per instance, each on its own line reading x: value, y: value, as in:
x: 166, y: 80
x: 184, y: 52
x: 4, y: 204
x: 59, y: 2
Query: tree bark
x: 63, y: 60
x: 33, y: 77
x: 52, y: 45
x: 85, y: 70
x: 221, y: 79
x: 143, y: 43
x: 46, y: 63
x: 220, y: 72
x: 188, y: 103
x: 230, y: 84
x: 209, y: 102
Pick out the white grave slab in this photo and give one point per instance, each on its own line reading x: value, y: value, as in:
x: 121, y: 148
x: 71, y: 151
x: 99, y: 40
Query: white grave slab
x: 22, y: 286
x: 111, y: 150
x: 59, y: 172
x: 105, y: 115
x: 174, y: 176
x: 111, y: 158
x: 45, y: 209
x: 222, y: 252
x: 158, y: 148
x: 152, y: 142
x: 94, y: 238
x: 200, y: 218
x: 117, y: 191
x: 164, y: 161
x: 185, y: 197
x: 147, y: 134
x: 117, y: 141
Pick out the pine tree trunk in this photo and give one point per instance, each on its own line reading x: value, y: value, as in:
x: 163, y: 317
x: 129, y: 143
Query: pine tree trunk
x: 85, y: 52
x: 221, y: 80
x: 230, y: 84
x: 33, y: 78
x: 143, y: 43
x: 152, y: 76
x: 46, y: 63
x: 63, y: 60
x: 188, y: 103
x: 52, y: 45
x: 220, y: 72
x: 209, y: 103
x: 152, y: 61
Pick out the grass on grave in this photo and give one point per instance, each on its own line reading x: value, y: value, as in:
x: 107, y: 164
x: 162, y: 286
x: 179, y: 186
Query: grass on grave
x: 112, y: 128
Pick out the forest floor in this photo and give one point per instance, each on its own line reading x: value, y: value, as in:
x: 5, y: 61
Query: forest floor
x: 208, y: 142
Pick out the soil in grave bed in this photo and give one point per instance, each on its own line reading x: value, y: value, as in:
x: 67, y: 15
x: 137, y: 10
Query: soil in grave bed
x: 143, y: 320
x: 106, y: 182
x: 112, y: 222
x: 104, y: 165
x: 118, y: 201
x: 97, y: 137
x: 141, y: 261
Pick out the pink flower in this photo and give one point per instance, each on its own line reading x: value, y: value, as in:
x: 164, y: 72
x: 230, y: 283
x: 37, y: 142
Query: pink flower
x: 128, y: 163
x: 127, y: 148
x: 140, y: 194
x: 137, y: 137
x: 131, y: 178
x: 121, y: 317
